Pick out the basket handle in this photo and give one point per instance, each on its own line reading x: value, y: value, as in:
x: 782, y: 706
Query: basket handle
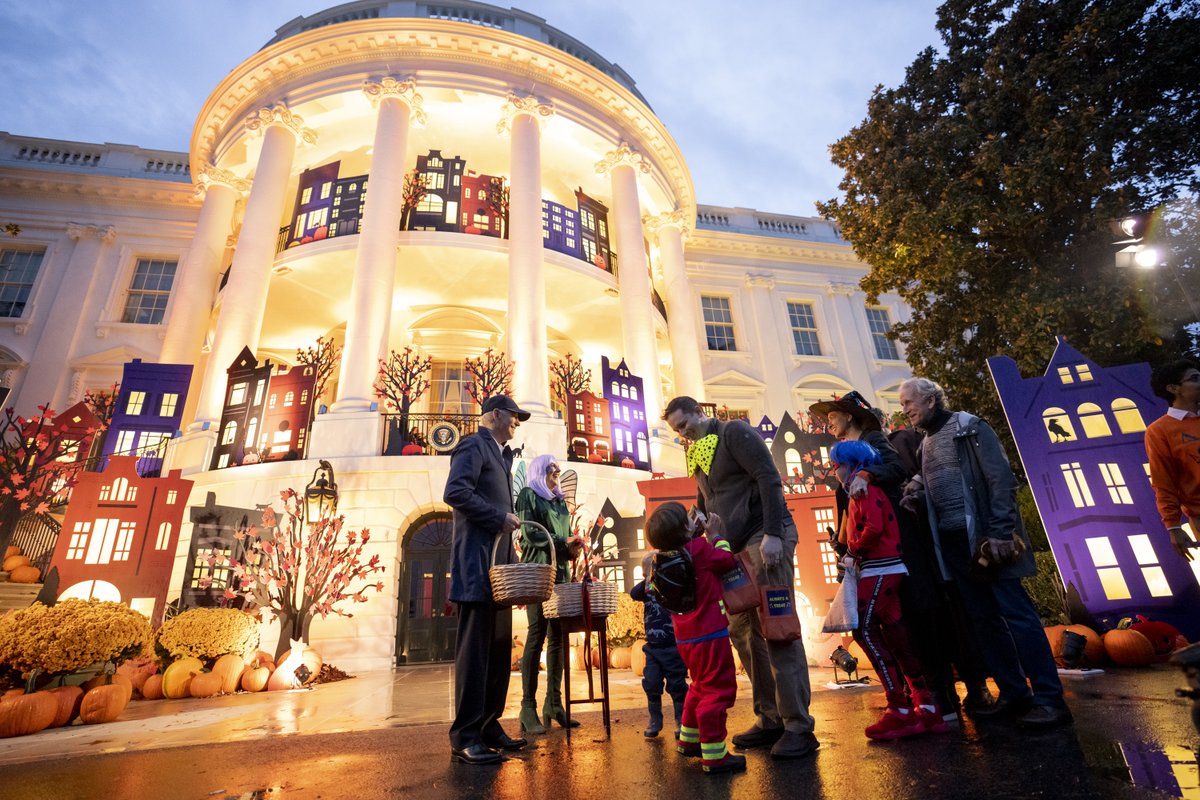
x: 536, y: 526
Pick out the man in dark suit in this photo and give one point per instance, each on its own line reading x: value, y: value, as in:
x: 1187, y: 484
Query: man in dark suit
x: 479, y: 490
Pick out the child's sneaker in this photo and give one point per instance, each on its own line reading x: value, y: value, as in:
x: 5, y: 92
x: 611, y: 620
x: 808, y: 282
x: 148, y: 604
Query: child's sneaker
x: 688, y: 749
x: 894, y: 725
x: 931, y: 721
x: 730, y: 763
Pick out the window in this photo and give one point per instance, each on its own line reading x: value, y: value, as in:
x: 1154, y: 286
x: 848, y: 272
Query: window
x: 259, y: 388
x: 124, y: 541
x: 306, y: 195
x: 1156, y: 579
x: 1118, y: 492
x: 289, y: 399
x: 216, y: 576
x: 325, y: 189
x: 1091, y: 417
x: 172, y: 496
x: 804, y: 329
x: 1107, y: 568
x: 1129, y: 419
x: 318, y: 217
x: 448, y: 389
x: 1081, y: 495
x: 133, y: 406
x: 718, y: 323
x: 1064, y: 375
x: 829, y: 562
x: 230, y: 432
x: 18, y: 270
x: 237, y: 394
x: 125, y: 443
x: 304, y: 397
x: 170, y: 401
x: 78, y: 543
x: 251, y: 433
x: 431, y: 203
x: 146, y: 301
x: 154, y: 443
x: 880, y: 325
x: 164, y: 536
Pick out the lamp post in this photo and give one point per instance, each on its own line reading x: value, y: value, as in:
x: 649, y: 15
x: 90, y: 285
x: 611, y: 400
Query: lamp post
x: 1136, y: 253
x: 321, y: 495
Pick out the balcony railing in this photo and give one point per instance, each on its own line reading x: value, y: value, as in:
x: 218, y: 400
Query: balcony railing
x: 402, y: 430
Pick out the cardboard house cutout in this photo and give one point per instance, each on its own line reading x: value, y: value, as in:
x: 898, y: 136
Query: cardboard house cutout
x: 242, y: 415
x: 1079, y: 429
x: 149, y: 410
x: 289, y: 413
x: 798, y: 454
x: 119, y: 536
x: 626, y: 397
x: 215, y: 531
x: 621, y: 547
x: 588, y: 428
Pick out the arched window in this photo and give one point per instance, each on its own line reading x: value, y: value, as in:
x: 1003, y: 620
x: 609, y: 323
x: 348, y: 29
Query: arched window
x: 251, y: 432
x: 120, y: 487
x: 633, y: 393
x: 1058, y: 425
x: 616, y: 389
x: 1129, y: 419
x: 230, y: 432
x: 432, y: 203
x: 1094, y: 423
x: 164, y: 536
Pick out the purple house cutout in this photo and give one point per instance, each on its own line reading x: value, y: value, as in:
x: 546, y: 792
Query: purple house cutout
x: 149, y: 410
x: 1080, y: 432
x: 627, y: 413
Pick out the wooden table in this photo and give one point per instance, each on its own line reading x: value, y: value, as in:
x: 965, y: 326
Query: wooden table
x: 568, y: 625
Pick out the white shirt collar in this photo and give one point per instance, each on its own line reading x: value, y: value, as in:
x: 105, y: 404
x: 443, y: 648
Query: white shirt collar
x: 1179, y: 413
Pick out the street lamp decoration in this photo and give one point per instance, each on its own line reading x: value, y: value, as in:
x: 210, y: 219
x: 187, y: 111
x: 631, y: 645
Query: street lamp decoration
x: 321, y: 495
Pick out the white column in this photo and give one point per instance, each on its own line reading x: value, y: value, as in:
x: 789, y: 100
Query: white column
x: 774, y: 359
x: 850, y: 320
x: 526, y: 272
x: 633, y: 275
x: 201, y: 266
x: 368, y: 325
x: 682, y: 325
x: 244, y: 298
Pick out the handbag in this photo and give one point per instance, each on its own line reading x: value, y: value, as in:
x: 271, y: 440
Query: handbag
x: 738, y: 587
x: 843, y: 611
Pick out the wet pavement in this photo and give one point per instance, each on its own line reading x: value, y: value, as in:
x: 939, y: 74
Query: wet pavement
x: 384, y: 735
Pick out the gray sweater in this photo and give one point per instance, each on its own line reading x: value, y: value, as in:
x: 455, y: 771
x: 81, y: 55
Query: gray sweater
x: 743, y: 487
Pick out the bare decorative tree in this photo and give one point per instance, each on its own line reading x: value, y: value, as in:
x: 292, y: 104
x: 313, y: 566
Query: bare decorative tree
x: 491, y: 374
x: 300, y: 571
x: 103, y: 402
x: 497, y: 201
x: 324, y: 358
x: 567, y: 377
x: 416, y: 187
x: 30, y: 471
x: 402, y: 380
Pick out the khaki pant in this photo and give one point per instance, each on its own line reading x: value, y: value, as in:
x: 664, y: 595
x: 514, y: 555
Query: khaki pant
x: 778, y: 670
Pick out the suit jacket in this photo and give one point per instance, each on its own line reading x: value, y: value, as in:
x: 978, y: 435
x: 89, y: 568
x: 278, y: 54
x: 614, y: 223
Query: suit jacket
x: 479, y: 490
x: 743, y: 487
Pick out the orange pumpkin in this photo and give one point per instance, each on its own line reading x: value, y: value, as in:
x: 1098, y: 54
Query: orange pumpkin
x: 637, y: 658
x: 12, y: 562
x: 1128, y: 648
x: 25, y: 574
x: 206, y: 684
x: 261, y: 656
x: 12, y: 693
x: 229, y: 667
x: 1054, y: 637
x: 69, y: 699
x: 152, y: 688
x: 1094, y: 654
x: 21, y: 715
x: 310, y: 658
x: 103, y: 704
x: 11, y: 550
x: 178, y: 677
x: 138, y: 670
x: 103, y: 680
x: 619, y: 658
x: 254, y: 679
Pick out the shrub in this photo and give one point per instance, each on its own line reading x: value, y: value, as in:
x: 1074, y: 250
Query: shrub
x: 627, y: 623
x: 71, y: 635
x: 1033, y: 521
x: 1046, y: 591
x: 207, y: 633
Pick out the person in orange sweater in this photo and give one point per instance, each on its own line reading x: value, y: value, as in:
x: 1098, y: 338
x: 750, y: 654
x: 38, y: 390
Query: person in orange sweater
x: 1173, y: 446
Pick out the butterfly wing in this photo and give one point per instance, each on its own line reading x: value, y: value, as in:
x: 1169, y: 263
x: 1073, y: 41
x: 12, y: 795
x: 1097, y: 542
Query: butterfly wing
x: 569, y: 484
x: 519, y: 480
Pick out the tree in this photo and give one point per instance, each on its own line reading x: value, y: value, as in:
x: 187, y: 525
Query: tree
x: 102, y: 402
x: 567, y: 377
x: 324, y: 358
x: 981, y: 190
x: 31, y: 474
x: 401, y: 381
x: 491, y: 374
x: 416, y: 187
x: 497, y: 201
x: 300, y: 571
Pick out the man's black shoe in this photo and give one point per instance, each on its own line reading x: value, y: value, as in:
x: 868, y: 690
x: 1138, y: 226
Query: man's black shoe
x: 475, y: 754
x: 978, y: 697
x: 506, y: 742
x: 1003, y: 709
x: 757, y: 737
x: 1043, y: 717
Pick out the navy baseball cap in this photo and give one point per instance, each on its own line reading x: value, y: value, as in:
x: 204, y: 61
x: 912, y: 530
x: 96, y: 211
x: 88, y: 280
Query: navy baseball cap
x: 505, y: 402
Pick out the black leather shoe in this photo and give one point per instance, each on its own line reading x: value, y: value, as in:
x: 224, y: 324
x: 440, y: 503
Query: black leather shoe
x: 506, y: 742
x: 757, y: 737
x: 1003, y: 709
x: 1043, y: 717
x: 475, y: 754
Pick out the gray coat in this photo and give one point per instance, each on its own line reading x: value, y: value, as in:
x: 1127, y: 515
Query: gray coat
x: 479, y: 490
x: 990, y: 492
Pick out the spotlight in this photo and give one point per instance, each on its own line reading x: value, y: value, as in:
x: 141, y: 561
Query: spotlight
x: 1072, y: 648
x: 841, y: 659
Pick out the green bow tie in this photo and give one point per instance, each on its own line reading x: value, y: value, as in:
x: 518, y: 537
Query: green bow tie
x: 700, y: 454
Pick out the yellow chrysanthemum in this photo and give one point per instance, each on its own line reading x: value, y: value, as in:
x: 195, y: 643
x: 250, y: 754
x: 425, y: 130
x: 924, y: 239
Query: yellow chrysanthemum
x: 207, y: 633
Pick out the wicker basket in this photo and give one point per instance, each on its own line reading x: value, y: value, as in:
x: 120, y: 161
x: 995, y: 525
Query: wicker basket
x: 519, y: 583
x: 568, y: 600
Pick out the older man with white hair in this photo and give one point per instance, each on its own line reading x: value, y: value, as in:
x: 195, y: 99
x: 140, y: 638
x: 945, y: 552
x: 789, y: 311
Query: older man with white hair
x: 969, y: 492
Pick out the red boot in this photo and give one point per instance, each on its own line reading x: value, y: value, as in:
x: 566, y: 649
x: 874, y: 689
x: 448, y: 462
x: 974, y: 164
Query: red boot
x: 895, y: 725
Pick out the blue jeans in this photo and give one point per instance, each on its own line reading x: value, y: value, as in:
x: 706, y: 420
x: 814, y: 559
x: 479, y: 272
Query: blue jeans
x: 664, y: 666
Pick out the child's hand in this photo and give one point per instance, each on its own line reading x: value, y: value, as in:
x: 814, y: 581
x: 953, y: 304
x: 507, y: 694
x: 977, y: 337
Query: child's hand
x: 715, y: 529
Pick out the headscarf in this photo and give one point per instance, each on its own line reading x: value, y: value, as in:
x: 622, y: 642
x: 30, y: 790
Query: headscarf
x: 537, y: 477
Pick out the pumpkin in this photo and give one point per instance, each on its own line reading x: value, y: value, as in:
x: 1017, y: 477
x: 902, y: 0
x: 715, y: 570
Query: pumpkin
x: 637, y: 658
x: 229, y: 667
x: 1054, y: 637
x: 1128, y: 648
x: 103, y: 680
x: 152, y: 688
x: 12, y: 562
x: 69, y: 699
x: 618, y: 658
x: 261, y: 656
x: 138, y: 670
x: 206, y: 684
x: 254, y: 679
x: 310, y: 658
x: 1162, y: 635
x: 25, y: 574
x: 21, y: 715
x: 103, y: 704
x: 11, y: 550
x: 1094, y: 653
x: 177, y: 679
x: 12, y: 693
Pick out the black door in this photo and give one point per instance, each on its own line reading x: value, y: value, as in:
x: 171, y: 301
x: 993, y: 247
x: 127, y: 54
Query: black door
x: 428, y: 621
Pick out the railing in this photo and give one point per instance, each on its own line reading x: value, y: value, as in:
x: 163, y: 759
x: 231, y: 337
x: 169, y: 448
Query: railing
x: 399, y: 432
x: 36, y: 535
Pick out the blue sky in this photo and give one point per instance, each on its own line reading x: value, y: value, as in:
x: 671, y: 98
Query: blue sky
x: 753, y: 93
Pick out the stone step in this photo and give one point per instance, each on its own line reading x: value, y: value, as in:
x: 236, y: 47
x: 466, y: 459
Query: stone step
x: 17, y: 595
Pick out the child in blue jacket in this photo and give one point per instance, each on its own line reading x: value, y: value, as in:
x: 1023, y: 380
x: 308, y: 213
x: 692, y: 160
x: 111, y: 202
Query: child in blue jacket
x: 663, y: 662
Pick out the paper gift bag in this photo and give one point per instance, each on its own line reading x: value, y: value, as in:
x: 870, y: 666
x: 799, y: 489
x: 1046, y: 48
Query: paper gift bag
x: 739, y: 590
x: 777, y: 613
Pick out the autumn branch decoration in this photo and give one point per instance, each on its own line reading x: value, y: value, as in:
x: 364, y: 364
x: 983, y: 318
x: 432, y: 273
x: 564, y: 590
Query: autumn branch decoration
x: 498, y: 202
x: 30, y: 473
x: 568, y: 377
x: 416, y: 188
x: 103, y: 402
x: 323, y: 357
x: 299, y: 571
x: 491, y: 374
